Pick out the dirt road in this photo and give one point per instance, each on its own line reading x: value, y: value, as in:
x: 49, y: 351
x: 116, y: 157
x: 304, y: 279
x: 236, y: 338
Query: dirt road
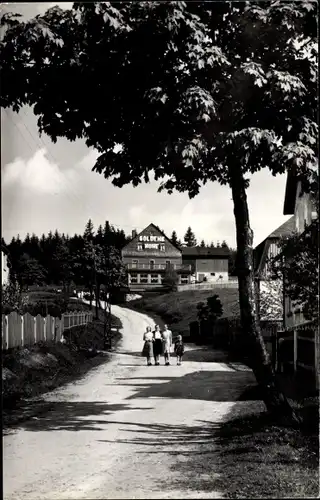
x: 128, y: 430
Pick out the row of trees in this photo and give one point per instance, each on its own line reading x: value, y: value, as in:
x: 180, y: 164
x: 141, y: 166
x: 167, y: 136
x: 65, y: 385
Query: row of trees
x: 91, y: 261
x: 187, y: 77
x: 190, y: 240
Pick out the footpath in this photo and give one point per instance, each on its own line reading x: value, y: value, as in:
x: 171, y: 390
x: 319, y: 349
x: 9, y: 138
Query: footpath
x: 127, y: 430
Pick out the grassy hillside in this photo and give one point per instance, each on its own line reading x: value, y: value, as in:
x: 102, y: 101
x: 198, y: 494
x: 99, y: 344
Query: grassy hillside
x: 178, y: 309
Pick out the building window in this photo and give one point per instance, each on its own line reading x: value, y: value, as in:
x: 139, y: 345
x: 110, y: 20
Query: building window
x: 162, y: 248
x: 143, y: 278
x: 139, y: 246
x: 154, y: 278
x: 135, y: 264
x: 151, y: 264
x: 133, y: 278
x: 168, y: 263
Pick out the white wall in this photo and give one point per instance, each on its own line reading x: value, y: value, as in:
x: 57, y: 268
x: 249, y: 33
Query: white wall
x: 303, y: 209
x: 304, y: 214
x: 213, y: 279
x: 4, y: 269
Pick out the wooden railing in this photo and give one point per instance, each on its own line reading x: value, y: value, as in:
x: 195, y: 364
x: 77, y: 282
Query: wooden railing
x: 25, y: 330
x: 298, y: 347
x: 154, y: 267
x: 208, y: 285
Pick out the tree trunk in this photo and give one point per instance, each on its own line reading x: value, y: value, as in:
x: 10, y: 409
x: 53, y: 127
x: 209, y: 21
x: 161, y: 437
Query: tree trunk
x: 274, y: 399
x: 97, y: 300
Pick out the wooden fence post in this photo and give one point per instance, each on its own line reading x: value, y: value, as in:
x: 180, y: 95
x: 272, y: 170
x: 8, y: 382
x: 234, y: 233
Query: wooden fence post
x: 35, y: 329
x: 295, y: 349
x: 53, y: 324
x: 6, y: 333
x: 316, y: 357
x: 22, y: 331
x: 61, y: 325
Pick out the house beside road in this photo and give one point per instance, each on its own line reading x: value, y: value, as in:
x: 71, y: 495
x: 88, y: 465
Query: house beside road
x: 302, y: 206
x: 269, y: 289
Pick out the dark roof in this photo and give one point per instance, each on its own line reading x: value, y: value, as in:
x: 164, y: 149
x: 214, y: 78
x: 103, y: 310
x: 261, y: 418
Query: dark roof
x: 285, y: 229
x: 4, y: 249
x: 205, y: 252
x: 290, y: 194
x: 154, y: 227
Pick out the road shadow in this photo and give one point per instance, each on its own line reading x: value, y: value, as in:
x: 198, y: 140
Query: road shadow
x: 172, y: 437
x: 205, y: 355
x: 194, y: 354
x: 239, y: 457
x: 67, y: 416
x: 203, y: 385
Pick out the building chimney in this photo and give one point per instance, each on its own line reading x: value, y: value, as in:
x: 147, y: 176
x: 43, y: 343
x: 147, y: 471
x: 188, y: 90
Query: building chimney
x: 134, y: 233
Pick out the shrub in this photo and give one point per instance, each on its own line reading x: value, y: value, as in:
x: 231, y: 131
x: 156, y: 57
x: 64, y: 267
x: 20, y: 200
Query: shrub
x: 170, y: 280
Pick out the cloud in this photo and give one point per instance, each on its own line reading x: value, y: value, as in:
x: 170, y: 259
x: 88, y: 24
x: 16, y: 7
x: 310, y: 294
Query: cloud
x: 136, y: 214
x: 38, y: 175
x: 61, y: 192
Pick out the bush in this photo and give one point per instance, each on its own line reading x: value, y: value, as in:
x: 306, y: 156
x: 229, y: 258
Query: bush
x: 170, y: 280
x: 45, y: 302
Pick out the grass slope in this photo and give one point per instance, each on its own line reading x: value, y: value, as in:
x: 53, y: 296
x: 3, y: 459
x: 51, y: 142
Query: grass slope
x: 178, y: 309
x: 251, y: 456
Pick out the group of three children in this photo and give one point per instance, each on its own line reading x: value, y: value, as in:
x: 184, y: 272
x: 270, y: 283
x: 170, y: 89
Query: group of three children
x: 157, y: 343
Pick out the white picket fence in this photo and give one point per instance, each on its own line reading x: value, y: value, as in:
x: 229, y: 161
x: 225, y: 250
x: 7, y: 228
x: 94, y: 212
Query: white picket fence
x: 207, y: 285
x: 17, y: 330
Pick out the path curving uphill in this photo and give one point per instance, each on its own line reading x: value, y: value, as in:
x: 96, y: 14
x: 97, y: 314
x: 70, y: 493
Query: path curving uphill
x: 127, y: 430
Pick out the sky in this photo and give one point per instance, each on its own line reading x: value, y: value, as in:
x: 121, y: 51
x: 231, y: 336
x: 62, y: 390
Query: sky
x: 48, y: 186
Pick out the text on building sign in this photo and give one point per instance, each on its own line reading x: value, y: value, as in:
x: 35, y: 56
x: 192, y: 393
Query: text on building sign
x: 151, y: 238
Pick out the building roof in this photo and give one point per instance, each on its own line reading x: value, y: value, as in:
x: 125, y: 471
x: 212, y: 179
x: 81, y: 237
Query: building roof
x: 4, y: 249
x: 150, y: 227
x: 290, y: 193
x: 285, y: 229
x: 205, y: 252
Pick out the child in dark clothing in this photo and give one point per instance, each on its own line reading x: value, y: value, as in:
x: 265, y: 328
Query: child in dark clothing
x: 179, y: 349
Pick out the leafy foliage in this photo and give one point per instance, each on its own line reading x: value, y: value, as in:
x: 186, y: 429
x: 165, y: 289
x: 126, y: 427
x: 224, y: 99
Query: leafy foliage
x: 12, y: 298
x: 170, y: 279
x: 29, y: 272
x: 188, y: 77
x: 210, y: 311
x: 271, y: 300
x: 297, y: 264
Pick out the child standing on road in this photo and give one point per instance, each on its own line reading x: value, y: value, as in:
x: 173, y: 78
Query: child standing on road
x: 179, y: 349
